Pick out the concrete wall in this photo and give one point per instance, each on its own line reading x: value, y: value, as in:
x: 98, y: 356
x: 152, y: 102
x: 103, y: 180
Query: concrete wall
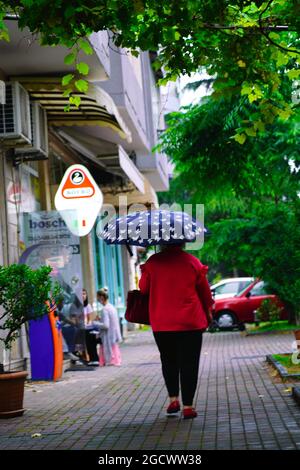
x: 134, y: 93
x: 134, y: 90
x: 126, y: 87
x: 100, y: 45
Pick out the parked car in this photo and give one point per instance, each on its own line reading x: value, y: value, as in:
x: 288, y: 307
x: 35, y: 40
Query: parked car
x: 240, y: 309
x: 229, y: 287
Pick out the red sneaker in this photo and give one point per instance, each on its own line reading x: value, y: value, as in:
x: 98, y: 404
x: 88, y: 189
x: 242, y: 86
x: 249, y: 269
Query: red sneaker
x: 173, y: 408
x: 189, y: 413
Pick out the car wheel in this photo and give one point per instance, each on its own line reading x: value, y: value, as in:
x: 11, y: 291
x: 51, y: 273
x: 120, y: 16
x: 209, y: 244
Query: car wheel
x: 226, y: 320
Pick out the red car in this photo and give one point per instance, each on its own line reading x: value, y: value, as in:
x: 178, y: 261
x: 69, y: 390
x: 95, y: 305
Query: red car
x: 240, y: 309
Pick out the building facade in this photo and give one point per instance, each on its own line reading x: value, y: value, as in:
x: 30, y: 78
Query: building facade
x: 112, y: 133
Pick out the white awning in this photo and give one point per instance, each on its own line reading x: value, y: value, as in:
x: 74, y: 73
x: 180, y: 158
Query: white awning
x: 97, y: 108
x: 109, y: 156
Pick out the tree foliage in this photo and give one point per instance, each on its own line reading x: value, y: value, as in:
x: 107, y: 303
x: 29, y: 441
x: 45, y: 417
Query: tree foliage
x: 250, y: 192
x: 263, y: 242
x: 199, y: 141
x: 247, y: 46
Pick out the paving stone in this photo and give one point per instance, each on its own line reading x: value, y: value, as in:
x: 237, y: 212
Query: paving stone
x: 239, y: 405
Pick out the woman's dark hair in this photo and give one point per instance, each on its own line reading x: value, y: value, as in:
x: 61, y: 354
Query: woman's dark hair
x: 103, y: 293
x: 77, y: 302
x: 169, y: 246
x: 86, y: 301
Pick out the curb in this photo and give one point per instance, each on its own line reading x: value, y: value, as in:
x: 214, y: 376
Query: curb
x: 281, y: 369
x: 274, y: 332
x: 296, y: 394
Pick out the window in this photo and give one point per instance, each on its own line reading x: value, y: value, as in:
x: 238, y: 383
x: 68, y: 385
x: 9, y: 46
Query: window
x: 228, y: 288
x: 259, y: 289
x: 244, y: 284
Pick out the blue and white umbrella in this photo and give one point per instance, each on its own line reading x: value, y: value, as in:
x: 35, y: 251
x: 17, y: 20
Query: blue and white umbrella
x: 148, y: 228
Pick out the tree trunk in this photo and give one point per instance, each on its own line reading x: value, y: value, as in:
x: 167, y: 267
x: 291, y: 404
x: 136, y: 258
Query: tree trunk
x: 292, y: 316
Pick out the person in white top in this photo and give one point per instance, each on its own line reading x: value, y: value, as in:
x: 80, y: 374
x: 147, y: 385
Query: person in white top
x: 87, y: 308
x: 110, y: 333
x: 90, y: 337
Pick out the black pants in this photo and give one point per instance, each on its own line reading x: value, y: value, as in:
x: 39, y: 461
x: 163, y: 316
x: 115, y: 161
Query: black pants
x: 180, y: 355
x: 69, y: 333
x: 91, y: 346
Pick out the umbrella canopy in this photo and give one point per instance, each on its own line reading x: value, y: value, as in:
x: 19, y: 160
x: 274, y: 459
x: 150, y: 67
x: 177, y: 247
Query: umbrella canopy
x: 148, y: 228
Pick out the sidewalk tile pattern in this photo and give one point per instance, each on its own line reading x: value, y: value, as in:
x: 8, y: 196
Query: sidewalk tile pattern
x: 239, y: 405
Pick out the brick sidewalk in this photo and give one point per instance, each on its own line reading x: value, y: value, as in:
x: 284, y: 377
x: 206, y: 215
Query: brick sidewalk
x: 239, y: 405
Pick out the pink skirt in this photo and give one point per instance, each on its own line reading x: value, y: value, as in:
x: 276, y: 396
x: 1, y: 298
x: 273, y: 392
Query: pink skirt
x: 115, y: 357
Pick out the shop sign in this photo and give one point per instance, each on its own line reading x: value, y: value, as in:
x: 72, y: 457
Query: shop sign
x: 47, y: 241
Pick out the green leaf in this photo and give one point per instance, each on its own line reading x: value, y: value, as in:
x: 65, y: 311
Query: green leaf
x: 67, y: 79
x: 250, y: 131
x: 240, y: 138
x: 246, y: 88
x: 292, y: 74
x: 82, y: 85
x: 4, y: 36
x: 76, y: 100
x: 259, y: 125
x: 86, y: 47
x: 274, y: 36
x: 67, y: 92
x: 282, y: 59
x: 241, y: 63
x: 70, y: 58
x: 83, y: 68
x: 285, y: 113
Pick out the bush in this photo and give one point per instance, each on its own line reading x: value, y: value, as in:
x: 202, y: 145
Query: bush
x: 268, y: 311
x: 24, y: 293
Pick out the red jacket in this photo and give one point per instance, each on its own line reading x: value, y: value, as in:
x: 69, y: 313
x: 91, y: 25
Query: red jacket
x: 179, y: 291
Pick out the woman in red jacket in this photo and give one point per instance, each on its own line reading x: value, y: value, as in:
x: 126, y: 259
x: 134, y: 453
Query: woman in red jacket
x: 179, y: 306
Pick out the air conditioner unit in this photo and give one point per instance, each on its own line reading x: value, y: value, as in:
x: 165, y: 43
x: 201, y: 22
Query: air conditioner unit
x: 39, y: 149
x: 15, y: 124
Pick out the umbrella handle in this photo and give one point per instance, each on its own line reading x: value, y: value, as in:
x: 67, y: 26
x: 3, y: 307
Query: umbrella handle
x: 129, y: 249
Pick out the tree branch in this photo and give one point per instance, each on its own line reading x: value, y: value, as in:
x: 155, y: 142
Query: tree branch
x: 263, y: 30
x: 233, y: 27
x: 267, y: 7
x: 285, y: 49
x: 209, y: 25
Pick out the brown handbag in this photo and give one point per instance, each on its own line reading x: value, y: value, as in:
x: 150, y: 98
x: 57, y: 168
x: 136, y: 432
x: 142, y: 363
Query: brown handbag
x: 137, y: 310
